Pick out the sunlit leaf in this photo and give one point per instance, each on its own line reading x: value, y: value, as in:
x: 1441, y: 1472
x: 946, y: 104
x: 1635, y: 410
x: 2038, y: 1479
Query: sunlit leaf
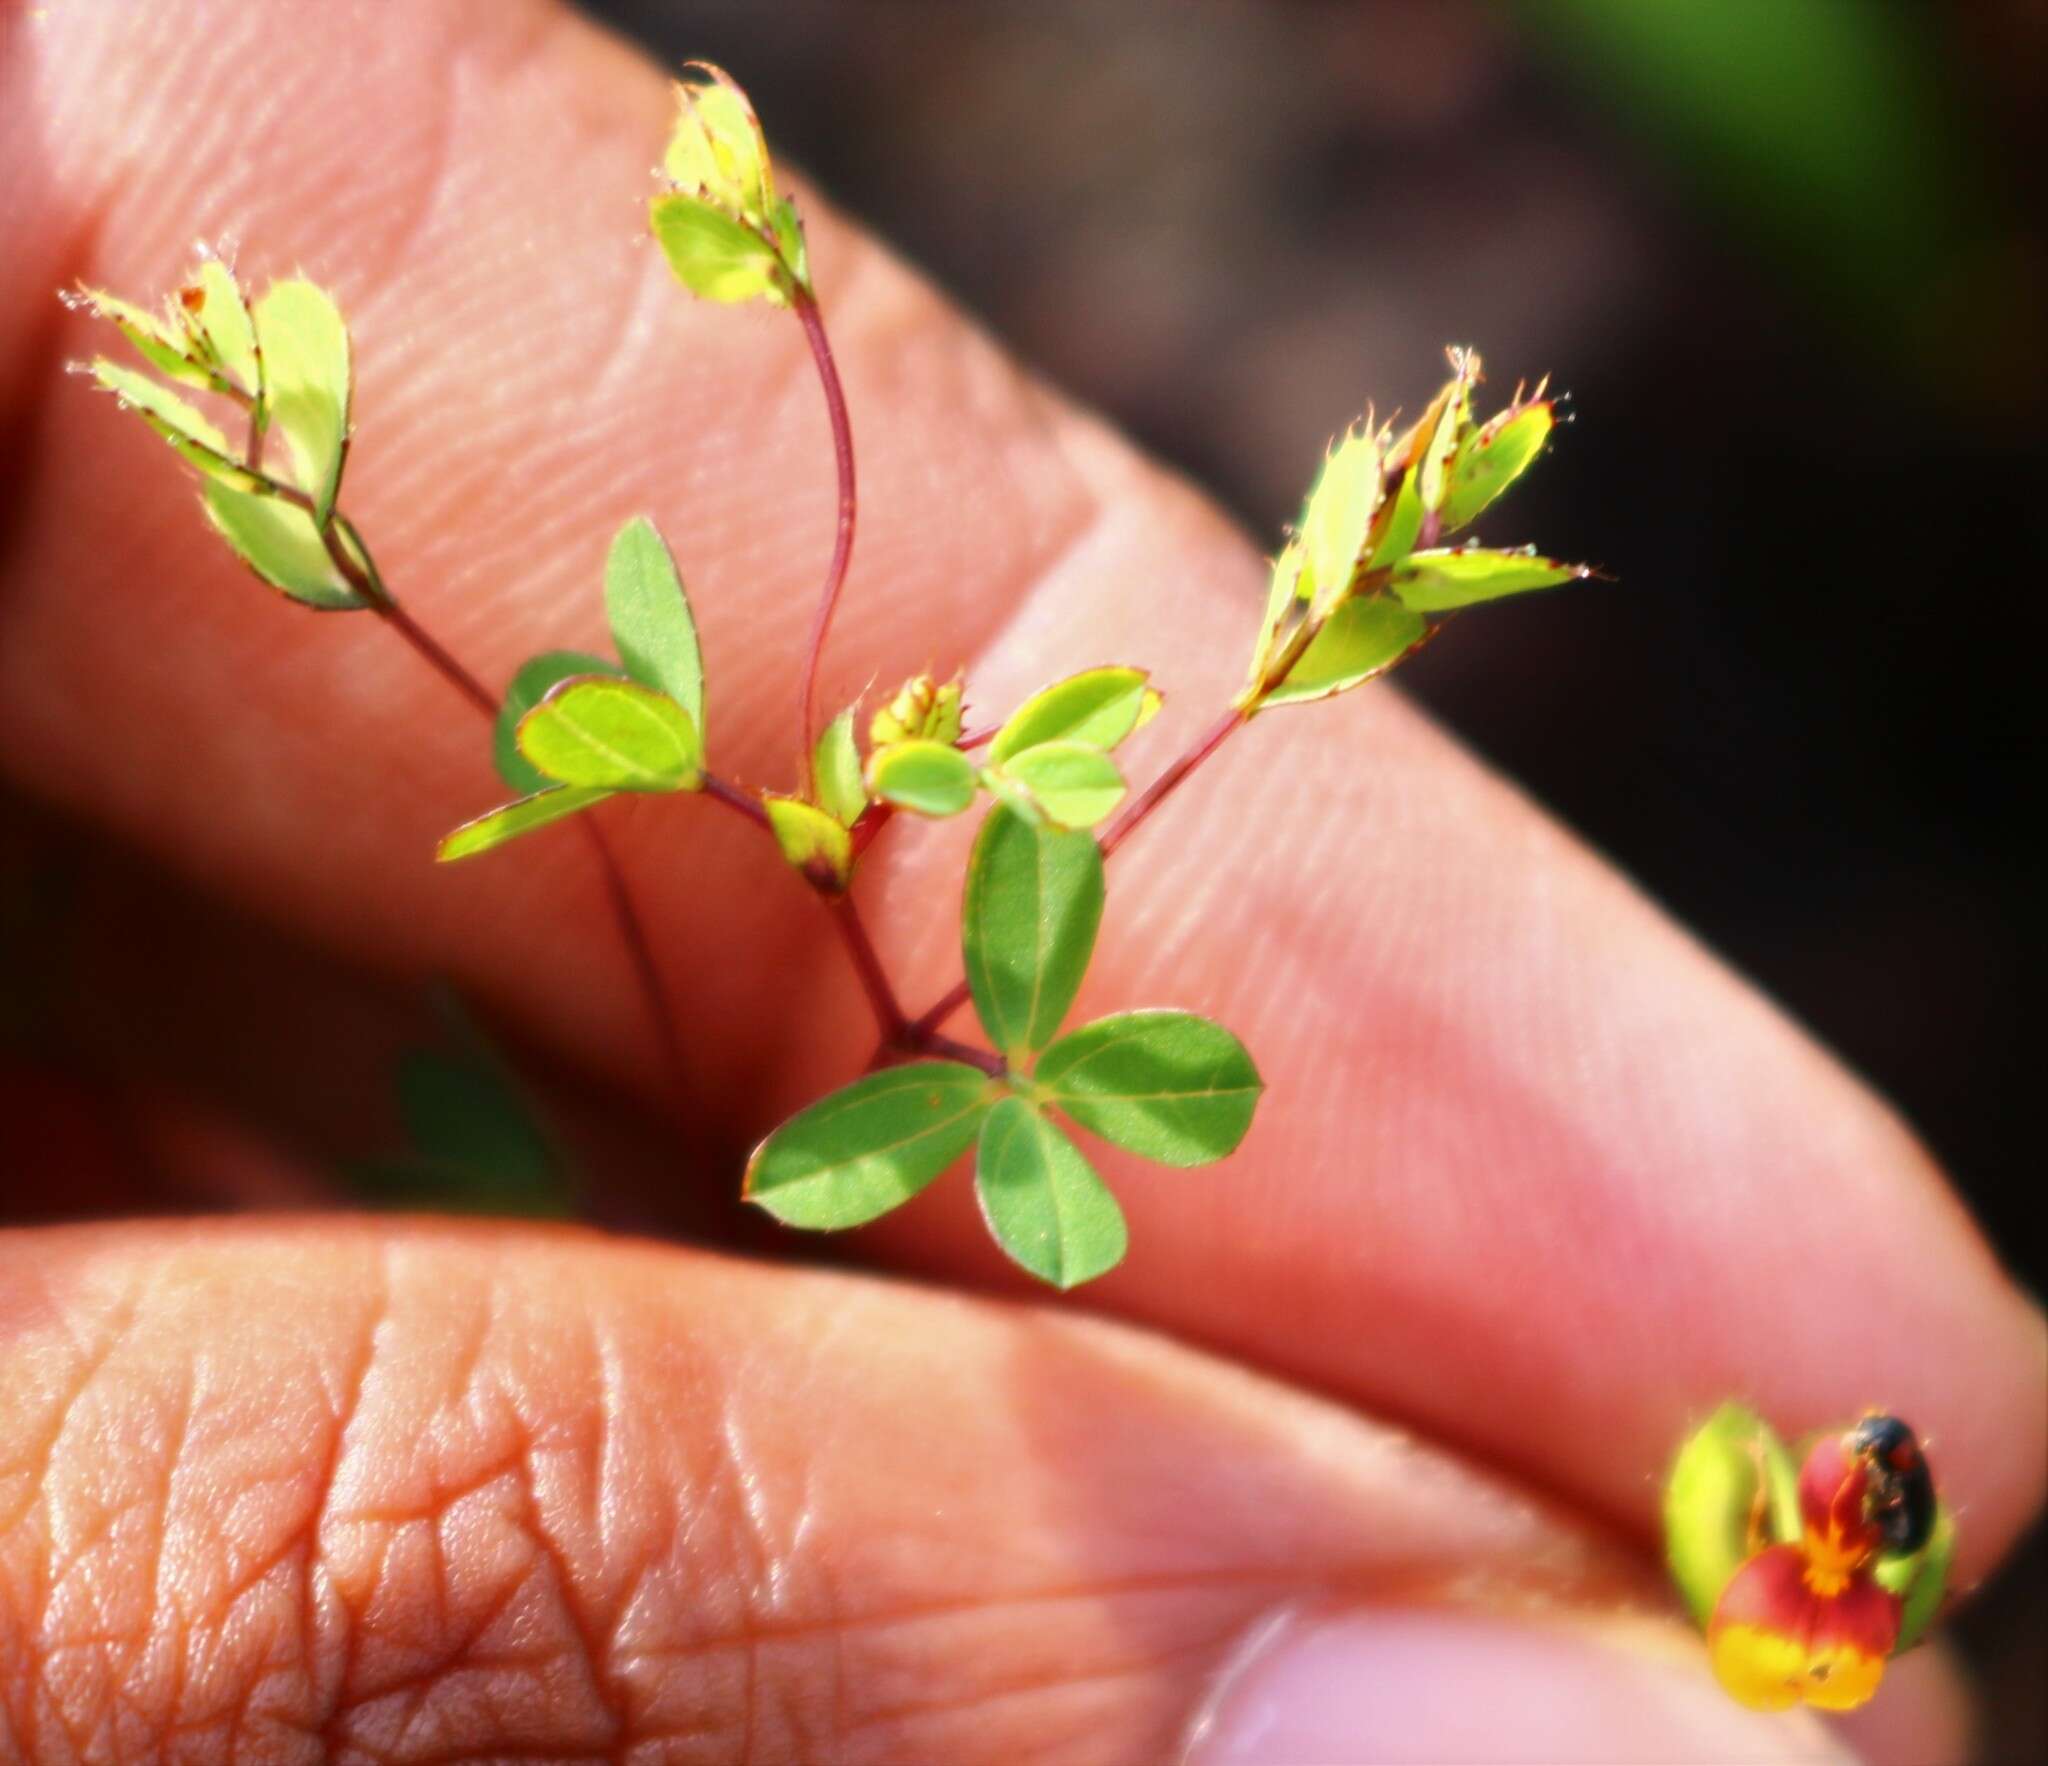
x: 1492, y: 457
x: 1099, y: 706
x: 166, y: 347
x: 613, y: 734
x: 171, y: 416
x: 651, y: 620
x: 515, y: 819
x: 1362, y: 638
x: 215, y: 309
x: 1920, y: 1580
x: 1435, y: 582
x: 1076, y: 785
x: 812, y: 841
x: 713, y: 255
x: 1028, y: 920
x: 717, y: 148
x: 1338, y: 516
x: 1449, y: 419
x: 842, y: 793
x: 529, y: 687
x: 279, y: 542
x: 932, y: 778
x: 870, y: 1146
x: 1282, y: 584
x: 1043, y: 1200
x: 1170, y: 1085
x: 1397, y: 526
x: 1712, y: 1496
x: 306, y: 372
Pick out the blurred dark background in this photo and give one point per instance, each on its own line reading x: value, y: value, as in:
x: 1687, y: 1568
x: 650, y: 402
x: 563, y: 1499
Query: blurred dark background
x: 1783, y: 255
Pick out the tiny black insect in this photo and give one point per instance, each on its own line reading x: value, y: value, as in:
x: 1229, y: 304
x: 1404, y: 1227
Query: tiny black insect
x: 1901, y: 1490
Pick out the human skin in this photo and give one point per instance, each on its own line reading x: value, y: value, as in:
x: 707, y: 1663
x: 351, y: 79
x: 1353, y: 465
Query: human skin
x: 1535, y: 1181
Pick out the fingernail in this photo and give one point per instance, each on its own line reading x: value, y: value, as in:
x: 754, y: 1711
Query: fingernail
x: 1404, y: 1684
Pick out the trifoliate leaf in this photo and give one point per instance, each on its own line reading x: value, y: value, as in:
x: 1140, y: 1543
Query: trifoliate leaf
x: 1435, y: 582
x: 932, y: 778
x: 715, y: 256
x: 1168, y: 1085
x: 813, y: 842
x: 842, y: 794
x: 1099, y: 706
x: 870, y: 1146
x: 612, y: 734
x: 717, y: 149
x: 514, y: 819
x: 921, y: 709
x: 306, y: 372
x: 650, y: 617
x: 1043, y: 1200
x: 219, y: 317
x: 1492, y: 457
x: 1337, y: 518
x: 1076, y: 785
x: 1712, y: 1495
x: 1363, y: 638
x: 167, y: 347
x: 1921, y: 1579
x: 278, y: 541
x: 1028, y: 919
x: 533, y: 682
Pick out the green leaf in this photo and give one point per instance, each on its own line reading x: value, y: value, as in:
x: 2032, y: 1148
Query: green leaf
x: 717, y: 148
x: 1920, y: 1580
x: 278, y: 541
x: 612, y: 734
x: 1362, y: 638
x: 1099, y: 706
x: 932, y: 778
x: 476, y: 1147
x: 1028, y: 920
x: 812, y: 841
x: 1338, y: 516
x: 842, y: 793
x: 173, y: 418
x: 1168, y: 1085
x: 535, y: 679
x: 1399, y: 522
x: 1493, y: 457
x: 1074, y: 784
x: 1435, y: 582
x: 713, y: 255
x: 1043, y: 1200
x: 650, y: 618
x: 1452, y: 413
x: 215, y: 307
x: 167, y: 348
x: 870, y: 1146
x: 306, y: 369
x: 1281, y: 587
x: 514, y: 819
x: 1711, y: 1496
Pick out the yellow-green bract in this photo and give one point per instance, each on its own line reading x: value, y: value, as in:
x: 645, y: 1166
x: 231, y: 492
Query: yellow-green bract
x: 1437, y: 581
x: 279, y: 542
x: 511, y: 820
x: 1361, y: 639
x: 841, y: 792
x: 306, y: 371
x: 1337, y: 519
x: 812, y: 841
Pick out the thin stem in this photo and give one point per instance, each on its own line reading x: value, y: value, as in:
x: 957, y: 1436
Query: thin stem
x: 721, y: 791
x: 874, y: 980
x: 806, y: 306
x: 1131, y: 817
x: 639, y: 951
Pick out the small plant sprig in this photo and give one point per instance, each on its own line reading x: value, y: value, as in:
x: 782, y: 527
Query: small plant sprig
x: 1364, y: 581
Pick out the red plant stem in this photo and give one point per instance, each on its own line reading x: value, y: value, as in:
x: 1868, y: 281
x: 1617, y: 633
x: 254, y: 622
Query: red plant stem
x: 921, y: 1033
x: 1131, y: 817
x: 745, y: 803
x: 873, y: 979
x: 806, y: 306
